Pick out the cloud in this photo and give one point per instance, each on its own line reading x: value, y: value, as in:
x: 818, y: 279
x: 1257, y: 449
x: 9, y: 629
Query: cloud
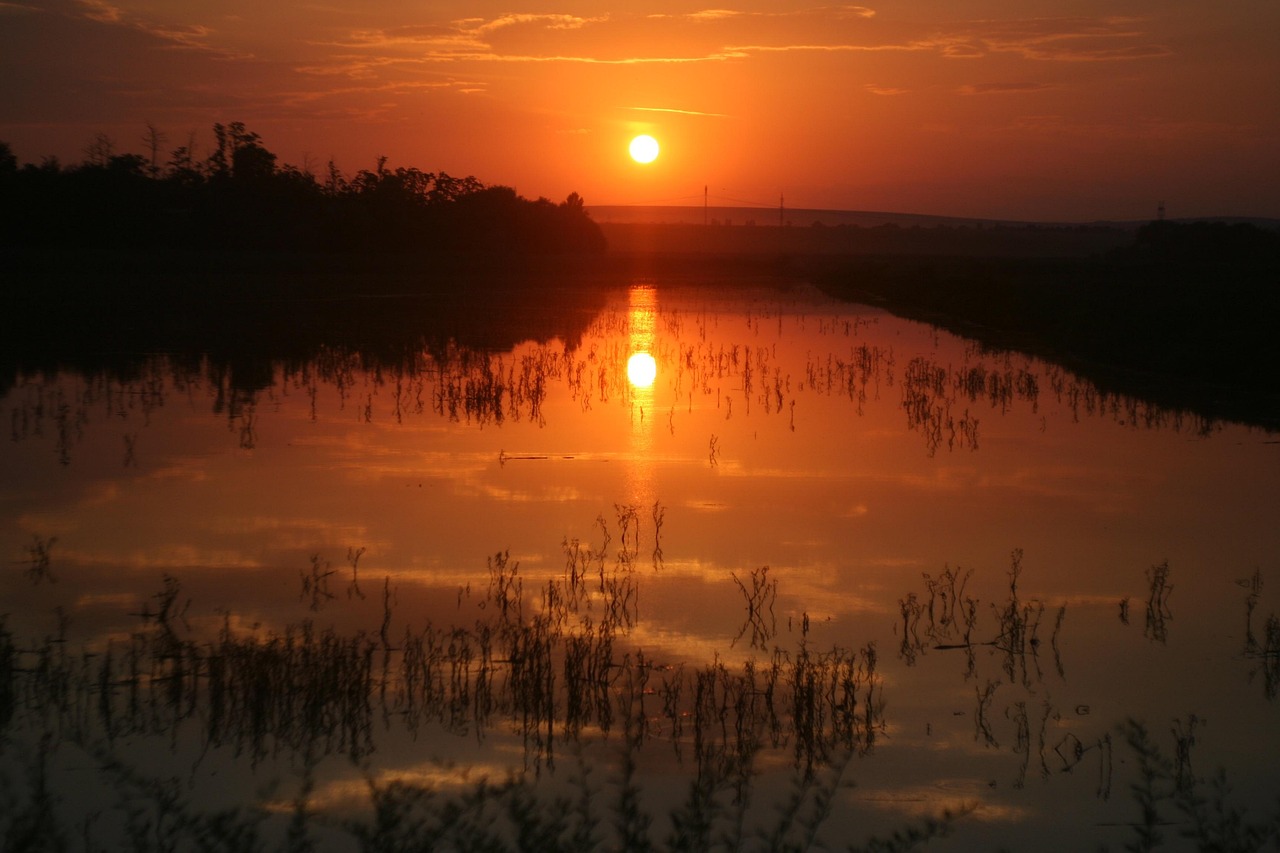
x: 708, y: 35
x: 747, y: 49
x: 677, y: 112
x: 826, y: 12
x: 1051, y: 40
x: 191, y: 36
x: 96, y: 10
x: 549, y: 21
x: 708, y: 15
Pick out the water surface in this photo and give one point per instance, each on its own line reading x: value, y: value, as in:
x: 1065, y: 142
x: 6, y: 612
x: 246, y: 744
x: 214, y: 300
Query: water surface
x: 824, y: 552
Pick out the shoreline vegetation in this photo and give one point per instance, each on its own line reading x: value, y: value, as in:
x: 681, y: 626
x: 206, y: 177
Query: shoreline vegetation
x: 1181, y: 314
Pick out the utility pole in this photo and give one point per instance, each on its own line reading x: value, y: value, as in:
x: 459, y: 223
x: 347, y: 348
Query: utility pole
x: 781, y: 210
x: 704, y: 204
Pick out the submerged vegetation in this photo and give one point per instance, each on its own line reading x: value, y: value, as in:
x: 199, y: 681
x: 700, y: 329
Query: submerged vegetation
x: 422, y: 366
x: 549, y: 670
x: 550, y: 675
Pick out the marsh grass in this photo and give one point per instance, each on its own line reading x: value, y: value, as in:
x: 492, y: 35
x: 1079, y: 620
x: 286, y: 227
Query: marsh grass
x: 550, y: 665
x: 40, y: 558
x: 1158, y: 613
x: 553, y: 667
x: 945, y: 617
x: 1172, y: 800
x: 1264, y: 649
x: 477, y: 385
x: 760, y: 599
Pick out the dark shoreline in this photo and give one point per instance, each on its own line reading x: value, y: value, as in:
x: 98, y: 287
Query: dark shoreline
x: 1197, y: 340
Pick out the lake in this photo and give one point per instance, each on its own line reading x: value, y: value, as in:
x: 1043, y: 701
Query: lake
x: 799, y: 573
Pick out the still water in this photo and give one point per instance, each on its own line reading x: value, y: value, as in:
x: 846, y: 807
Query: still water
x: 717, y: 564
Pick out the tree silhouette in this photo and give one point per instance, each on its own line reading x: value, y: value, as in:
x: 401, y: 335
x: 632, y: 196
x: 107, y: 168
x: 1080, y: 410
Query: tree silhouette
x: 239, y: 197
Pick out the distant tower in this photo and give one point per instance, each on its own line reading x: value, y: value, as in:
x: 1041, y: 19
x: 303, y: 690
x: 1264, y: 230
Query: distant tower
x: 1160, y: 211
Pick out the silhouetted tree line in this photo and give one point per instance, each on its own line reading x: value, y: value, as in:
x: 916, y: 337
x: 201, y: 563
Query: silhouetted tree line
x: 238, y: 197
x: 1201, y: 246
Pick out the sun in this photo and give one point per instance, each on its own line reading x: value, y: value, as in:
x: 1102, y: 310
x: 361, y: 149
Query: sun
x: 644, y: 149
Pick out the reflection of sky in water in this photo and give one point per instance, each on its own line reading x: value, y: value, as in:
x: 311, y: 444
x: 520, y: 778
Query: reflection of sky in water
x: 847, y: 451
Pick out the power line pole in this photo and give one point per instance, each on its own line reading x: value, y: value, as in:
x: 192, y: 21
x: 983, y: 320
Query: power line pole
x: 704, y: 204
x: 781, y: 210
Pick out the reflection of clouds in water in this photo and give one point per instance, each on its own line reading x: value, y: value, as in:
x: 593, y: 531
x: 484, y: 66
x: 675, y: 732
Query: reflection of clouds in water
x: 174, y: 556
x: 46, y: 523
x: 704, y: 505
x: 549, y: 493
x: 260, y: 523
x: 955, y: 795
x: 352, y: 793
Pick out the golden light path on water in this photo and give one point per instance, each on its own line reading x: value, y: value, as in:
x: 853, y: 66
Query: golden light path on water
x: 642, y: 311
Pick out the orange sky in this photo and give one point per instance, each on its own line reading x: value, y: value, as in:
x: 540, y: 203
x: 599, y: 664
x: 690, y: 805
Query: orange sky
x: 1025, y: 109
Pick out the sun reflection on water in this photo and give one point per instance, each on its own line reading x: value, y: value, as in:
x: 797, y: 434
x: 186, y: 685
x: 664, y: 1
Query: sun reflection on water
x: 642, y: 372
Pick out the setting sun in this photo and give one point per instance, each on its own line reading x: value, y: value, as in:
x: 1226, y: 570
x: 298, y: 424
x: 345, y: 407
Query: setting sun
x: 644, y: 149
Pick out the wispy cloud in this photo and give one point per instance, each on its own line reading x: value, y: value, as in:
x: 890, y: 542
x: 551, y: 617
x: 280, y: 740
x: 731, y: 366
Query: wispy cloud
x: 547, y: 21
x: 748, y: 49
x: 97, y: 10
x: 1051, y: 40
x: 708, y: 35
x: 678, y: 112
x: 884, y: 90
x: 714, y: 15
x: 185, y: 36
